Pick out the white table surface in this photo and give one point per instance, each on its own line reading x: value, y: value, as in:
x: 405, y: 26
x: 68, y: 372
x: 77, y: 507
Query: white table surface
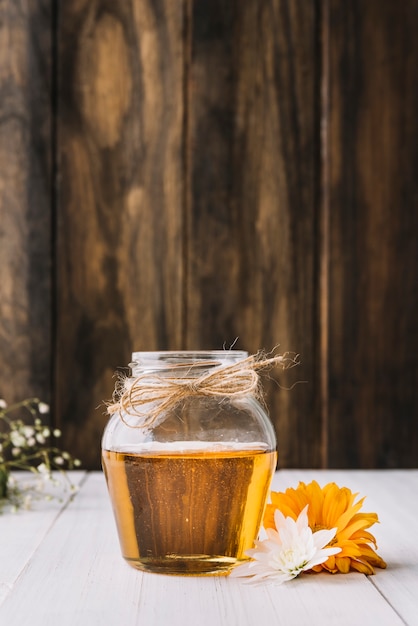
x: 60, y: 565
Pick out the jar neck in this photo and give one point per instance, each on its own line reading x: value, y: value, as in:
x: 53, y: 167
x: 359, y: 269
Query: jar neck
x: 194, y: 362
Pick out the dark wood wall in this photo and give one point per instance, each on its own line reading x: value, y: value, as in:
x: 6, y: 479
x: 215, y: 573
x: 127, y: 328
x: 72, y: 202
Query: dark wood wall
x: 178, y: 174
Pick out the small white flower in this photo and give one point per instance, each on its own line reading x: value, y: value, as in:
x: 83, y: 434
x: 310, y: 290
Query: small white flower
x: 57, y: 432
x: 40, y: 438
x: 58, y: 460
x: 28, y: 431
x: 291, y: 549
x: 17, y: 439
x: 16, y: 451
x: 77, y: 462
x: 43, y: 407
x: 46, y: 432
x: 3, y: 404
x: 42, y: 468
x: 31, y: 442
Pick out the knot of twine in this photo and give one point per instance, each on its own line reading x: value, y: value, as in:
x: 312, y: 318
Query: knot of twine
x: 162, y: 393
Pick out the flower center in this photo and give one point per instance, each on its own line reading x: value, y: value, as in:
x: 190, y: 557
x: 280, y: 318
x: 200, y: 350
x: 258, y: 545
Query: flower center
x: 292, y: 559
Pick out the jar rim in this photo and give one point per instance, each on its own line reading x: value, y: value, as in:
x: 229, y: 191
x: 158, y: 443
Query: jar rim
x: 166, y: 358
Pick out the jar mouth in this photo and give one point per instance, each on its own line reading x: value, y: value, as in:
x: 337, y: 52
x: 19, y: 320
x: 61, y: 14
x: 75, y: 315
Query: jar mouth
x: 167, y: 359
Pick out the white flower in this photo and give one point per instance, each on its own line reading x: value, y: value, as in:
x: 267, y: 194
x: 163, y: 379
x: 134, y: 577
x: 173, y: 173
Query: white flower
x: 43, y: 407
x: 3, y: 404
x: 40, y: 438
x: 42, y: 468
x: 57, y: 432
x: 58, y: 460
x: 28, y: 431
x: 17, y: 439
x: 288, y: 551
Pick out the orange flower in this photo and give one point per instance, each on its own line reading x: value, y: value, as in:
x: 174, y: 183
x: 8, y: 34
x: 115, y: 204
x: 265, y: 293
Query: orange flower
x: 332, y: 507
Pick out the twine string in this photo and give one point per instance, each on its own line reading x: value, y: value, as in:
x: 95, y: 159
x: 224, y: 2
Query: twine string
x: 149, y: 395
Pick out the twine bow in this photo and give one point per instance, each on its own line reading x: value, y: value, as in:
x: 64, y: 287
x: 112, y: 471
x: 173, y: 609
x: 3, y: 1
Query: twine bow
x: 157, y: 394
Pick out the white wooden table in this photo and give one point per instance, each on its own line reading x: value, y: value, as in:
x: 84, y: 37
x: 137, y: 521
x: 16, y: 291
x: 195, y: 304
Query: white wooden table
x: 60, y: 565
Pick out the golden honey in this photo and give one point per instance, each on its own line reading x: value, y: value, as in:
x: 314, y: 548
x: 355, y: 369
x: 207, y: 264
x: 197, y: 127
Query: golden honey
x: 195, y: 509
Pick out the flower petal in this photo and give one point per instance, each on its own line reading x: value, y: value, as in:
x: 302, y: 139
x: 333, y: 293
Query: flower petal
x: 322, y: 537
x: 321, y: 557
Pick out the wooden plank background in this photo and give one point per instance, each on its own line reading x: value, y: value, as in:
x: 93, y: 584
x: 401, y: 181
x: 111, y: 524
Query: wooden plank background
x: 25, y: 199
x: 373, y: 226
x: 177, y: 175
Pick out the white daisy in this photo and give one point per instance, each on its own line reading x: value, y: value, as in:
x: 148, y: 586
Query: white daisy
x: 291, y: 549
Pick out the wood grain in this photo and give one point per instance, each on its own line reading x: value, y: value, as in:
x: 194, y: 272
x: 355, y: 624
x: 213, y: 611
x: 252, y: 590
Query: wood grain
x: 81, y: 577
x: 253, y: 157
x: 373, y: 218
x: 25, y: 200
x: 27, y: 530
x: 119, y: 247
x: 174, y: 175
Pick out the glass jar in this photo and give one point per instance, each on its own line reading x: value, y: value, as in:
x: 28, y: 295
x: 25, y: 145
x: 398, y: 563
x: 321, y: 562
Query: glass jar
x: 188, y: 465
